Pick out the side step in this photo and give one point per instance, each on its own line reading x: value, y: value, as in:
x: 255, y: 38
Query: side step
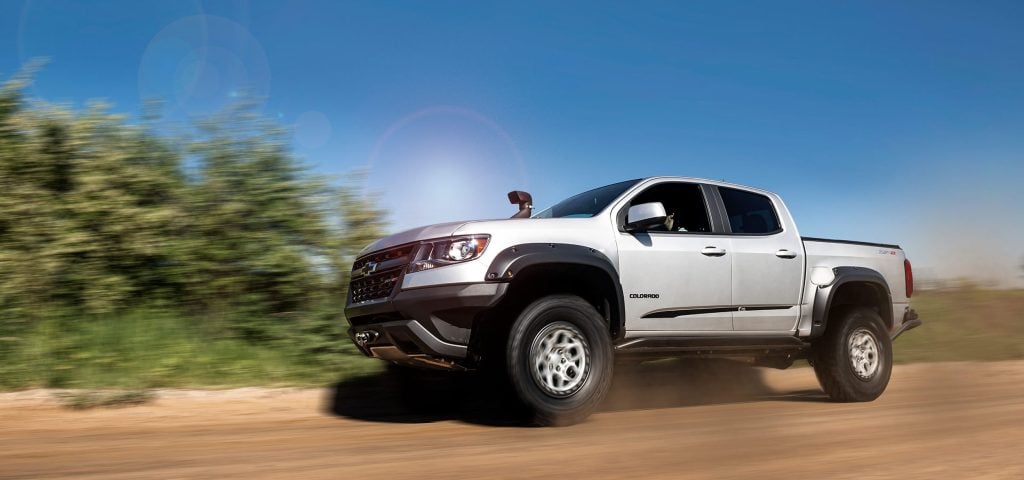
x: 714, y: 345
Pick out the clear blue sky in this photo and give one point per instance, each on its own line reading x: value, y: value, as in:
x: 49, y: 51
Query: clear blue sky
x: 889, y: 121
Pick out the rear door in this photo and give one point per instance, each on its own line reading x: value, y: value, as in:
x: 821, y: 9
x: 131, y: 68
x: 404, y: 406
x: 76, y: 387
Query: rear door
x: 767, y: 261
x: 676, y: 277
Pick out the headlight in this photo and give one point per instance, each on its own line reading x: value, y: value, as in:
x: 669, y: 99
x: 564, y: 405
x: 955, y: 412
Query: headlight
x: 438, y: 253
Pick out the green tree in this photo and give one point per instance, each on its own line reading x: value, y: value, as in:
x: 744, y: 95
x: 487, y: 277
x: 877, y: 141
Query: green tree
x: 362, y: 222
x: 125, y: 251
x: 98, y: 215
x: 86, y: 207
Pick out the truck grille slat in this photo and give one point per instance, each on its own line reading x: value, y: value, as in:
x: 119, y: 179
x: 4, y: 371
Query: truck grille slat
x: 376, y: 275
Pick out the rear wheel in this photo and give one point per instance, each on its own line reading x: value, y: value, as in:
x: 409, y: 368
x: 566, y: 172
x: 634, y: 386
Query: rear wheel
x: 853, y: 361
x: 559, y: 358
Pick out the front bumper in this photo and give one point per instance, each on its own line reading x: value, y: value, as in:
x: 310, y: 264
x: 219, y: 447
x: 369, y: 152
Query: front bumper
x: 427, y: 326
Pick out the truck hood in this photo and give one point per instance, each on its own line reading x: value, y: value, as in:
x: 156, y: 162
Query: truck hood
x: 414, y: 234
x: 524, y: 229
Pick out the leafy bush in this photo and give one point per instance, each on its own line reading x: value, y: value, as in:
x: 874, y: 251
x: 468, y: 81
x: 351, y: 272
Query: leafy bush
x: 130, y: 253
x: 155, y: 348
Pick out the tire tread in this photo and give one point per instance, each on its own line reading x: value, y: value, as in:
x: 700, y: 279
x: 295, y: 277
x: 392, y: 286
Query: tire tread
x: 545, y: 412
x: 831, y: 363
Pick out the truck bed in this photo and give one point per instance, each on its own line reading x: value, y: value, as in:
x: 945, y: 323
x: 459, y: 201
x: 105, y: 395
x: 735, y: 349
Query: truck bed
x: 851, y: 242
x: 884, y: 258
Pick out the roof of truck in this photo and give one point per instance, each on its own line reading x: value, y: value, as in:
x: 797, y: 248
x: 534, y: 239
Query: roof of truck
x: 721, y: 183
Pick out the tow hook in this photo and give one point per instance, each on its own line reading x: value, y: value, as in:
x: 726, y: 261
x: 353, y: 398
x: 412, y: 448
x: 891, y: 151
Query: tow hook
x: 365, y: 337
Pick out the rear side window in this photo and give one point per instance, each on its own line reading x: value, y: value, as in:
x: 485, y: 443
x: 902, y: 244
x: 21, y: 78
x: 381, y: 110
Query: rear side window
x: 749, y: 212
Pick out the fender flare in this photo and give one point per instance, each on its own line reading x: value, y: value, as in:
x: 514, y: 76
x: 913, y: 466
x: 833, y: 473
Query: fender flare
x: 512, y: 260
x: 823, y: 295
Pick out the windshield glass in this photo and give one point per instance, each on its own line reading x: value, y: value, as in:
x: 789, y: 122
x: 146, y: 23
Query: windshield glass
x: 587, y: 204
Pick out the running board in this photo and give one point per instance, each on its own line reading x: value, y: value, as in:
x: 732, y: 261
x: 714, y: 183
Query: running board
x: 713, y: 345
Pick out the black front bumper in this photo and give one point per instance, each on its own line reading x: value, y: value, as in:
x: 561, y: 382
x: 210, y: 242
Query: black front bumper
x: 428, y: 326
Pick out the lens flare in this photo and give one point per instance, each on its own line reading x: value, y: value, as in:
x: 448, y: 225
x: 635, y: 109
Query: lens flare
x: 444, y: 163
x: 312, y: 130
x: 203, y: 62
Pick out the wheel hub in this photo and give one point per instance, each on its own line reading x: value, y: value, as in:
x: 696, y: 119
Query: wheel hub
x: 560, y: 359
x: 863, y: 353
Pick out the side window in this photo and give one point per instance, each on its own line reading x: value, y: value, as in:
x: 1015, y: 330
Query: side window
x: 749, y: 212
x: 684, y: 204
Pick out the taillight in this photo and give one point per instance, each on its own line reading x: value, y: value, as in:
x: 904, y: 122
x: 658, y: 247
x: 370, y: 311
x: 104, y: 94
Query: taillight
x: 908, y: 274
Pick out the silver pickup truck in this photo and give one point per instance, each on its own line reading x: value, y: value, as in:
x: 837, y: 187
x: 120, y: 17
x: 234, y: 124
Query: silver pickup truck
x: 650, y: 268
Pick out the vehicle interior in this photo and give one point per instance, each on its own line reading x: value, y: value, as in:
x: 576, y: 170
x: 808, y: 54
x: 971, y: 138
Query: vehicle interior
x: 684, y: 206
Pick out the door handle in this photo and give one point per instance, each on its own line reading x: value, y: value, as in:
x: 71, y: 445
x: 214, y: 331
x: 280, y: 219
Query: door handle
x: 713, y: 251
x: 783, y: 253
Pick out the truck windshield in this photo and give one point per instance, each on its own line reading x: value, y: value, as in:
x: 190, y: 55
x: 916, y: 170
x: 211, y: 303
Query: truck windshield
x: 587, y: 204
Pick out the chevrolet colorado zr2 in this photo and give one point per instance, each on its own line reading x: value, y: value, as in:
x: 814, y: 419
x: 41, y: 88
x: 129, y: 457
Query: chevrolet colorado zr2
x: 643, y: 269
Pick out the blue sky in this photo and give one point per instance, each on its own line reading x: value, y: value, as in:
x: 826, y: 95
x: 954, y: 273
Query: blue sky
x: 888, y: 121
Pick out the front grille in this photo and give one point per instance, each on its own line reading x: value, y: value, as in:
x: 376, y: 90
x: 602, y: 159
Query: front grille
x: 403, y: 252
x: 376, y: 275
x: 379, y: 285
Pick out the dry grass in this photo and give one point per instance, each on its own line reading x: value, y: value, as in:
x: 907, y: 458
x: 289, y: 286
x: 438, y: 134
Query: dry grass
x: 86, y: 399
x: 965, y: 324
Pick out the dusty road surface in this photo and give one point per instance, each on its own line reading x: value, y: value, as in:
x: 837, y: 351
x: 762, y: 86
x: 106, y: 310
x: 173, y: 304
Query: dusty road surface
x: 954, y: 420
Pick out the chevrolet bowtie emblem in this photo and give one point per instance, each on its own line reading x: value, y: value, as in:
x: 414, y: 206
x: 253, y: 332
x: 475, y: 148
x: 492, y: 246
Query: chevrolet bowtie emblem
x: 369, y: 268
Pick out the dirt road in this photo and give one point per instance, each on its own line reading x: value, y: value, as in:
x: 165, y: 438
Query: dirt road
x: 954, y: 420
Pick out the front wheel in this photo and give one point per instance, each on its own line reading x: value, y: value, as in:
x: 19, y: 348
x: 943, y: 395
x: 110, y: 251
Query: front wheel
x: 853, y: 360
x: 560, y: 359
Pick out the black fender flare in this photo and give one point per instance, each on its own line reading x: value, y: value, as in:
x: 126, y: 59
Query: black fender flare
x: 512, y: 260
x: 823, y: 295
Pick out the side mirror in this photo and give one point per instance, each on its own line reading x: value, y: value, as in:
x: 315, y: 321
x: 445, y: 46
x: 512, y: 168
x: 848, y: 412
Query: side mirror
x: 645, y: 215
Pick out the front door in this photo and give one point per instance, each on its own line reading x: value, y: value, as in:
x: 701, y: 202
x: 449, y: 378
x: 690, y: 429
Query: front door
x: 676, y: 277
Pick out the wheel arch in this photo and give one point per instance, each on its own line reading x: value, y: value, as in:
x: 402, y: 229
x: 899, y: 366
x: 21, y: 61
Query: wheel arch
x: 538, y: 269
x: 852, y: 286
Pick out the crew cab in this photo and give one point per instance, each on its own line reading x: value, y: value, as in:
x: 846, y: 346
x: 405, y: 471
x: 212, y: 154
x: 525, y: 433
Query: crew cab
x: 648, y: 268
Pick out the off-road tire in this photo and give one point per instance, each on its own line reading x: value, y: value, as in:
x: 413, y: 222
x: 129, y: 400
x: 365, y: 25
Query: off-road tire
x: 833, y: 355
x: 576, y: 321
